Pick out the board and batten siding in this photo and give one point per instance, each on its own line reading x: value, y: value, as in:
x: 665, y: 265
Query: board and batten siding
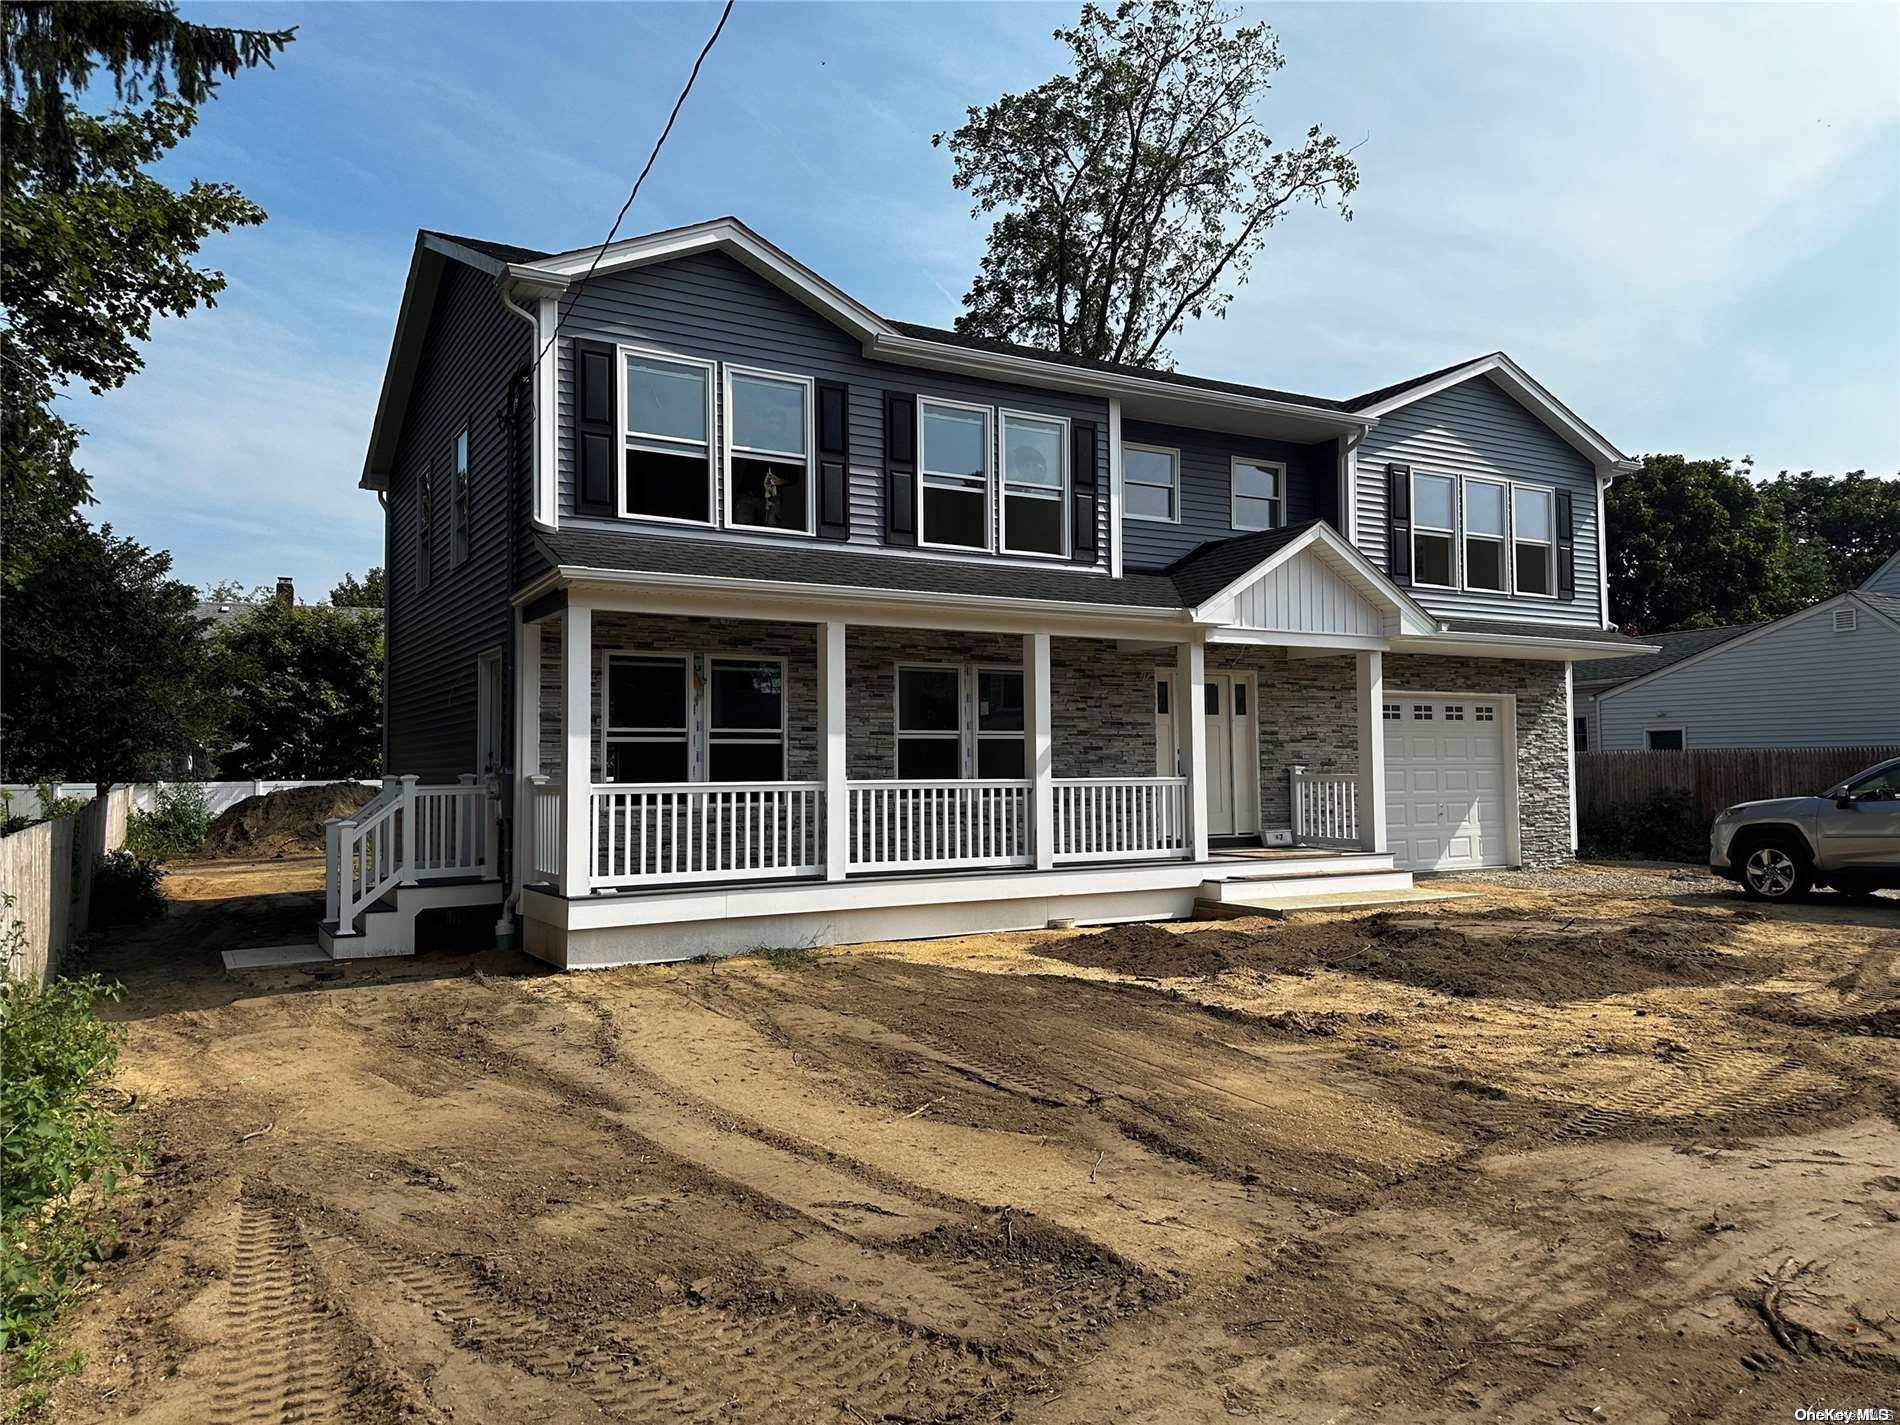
x: 436, y: 635
x: 1475, y: 428
x: 712, y: 307
x: 1798, y: 684
x: 1207, y: 489
x: 1304, y: 596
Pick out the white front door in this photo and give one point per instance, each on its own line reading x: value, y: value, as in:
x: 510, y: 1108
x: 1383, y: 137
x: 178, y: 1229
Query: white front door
x: 1446, y: 803
x: 1232, y: 786
x: 1220, y: 754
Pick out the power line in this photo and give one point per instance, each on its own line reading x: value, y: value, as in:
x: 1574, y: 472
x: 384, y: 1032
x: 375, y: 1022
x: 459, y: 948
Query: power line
x: 634, y: 192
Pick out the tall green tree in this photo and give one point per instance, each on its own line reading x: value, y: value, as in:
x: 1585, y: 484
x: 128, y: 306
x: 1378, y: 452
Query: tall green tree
x: 364, y: 593
x: 1135, y: 192
x: 305, y: 688
x: 1840, y: 528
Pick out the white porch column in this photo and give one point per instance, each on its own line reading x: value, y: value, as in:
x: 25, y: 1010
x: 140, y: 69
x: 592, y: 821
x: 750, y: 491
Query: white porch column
x: 577, y: 730
x: 527, y: 759
x: 1041, y: 748
x: 1371, y: 799
x: 1190, y: 737
x: 1570, y: 744
x: 831, y: 748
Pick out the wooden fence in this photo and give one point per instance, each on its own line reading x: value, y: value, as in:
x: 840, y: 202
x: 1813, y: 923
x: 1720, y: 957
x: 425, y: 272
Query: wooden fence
x: 48, y: 870
x: 1716, y: 777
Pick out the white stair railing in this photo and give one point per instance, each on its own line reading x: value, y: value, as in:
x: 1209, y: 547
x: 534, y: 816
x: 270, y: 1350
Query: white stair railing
x: 1325, y: 807
x: 404, y: 835
x: 907, y: 825
x: 669, y: 832
x: 1120, y: 818
x: 547, y: 801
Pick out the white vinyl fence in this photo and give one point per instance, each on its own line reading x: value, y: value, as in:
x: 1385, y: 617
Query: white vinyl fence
x: 47, y: 870
x: 219, y: 796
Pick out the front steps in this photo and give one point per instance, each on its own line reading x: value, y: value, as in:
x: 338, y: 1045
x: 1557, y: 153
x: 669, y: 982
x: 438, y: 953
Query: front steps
x: 388, y: 926
x: 1283, y: 909
x: 1351, y: 881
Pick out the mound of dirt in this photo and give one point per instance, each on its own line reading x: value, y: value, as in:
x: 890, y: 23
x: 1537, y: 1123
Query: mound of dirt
x: 286, y: 823
x: 1498, y: 954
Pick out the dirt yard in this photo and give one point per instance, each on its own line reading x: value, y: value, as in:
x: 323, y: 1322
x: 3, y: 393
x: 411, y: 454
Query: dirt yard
x: 1555, y: 1153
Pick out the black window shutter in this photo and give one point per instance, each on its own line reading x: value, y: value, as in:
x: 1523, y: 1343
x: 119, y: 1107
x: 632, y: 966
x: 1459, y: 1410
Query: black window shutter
x: 900, y: 468
x: 1566, y: 547
x: 1398, y: 523
x: 596, y: 422
x: 1082, y: 485
x: 834, y: 460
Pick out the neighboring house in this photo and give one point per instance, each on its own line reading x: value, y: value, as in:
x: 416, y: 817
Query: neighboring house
x: 768, y: 620
x: 1826, y: 676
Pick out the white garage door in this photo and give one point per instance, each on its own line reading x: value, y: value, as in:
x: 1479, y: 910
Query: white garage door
x: 1445, y: 797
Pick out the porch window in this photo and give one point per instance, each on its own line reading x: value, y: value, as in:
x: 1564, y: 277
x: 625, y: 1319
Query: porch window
x: 1484, y: 535
x: 1000, y: 749
x: 645, y: 717
x: 1151, y: 483
x: 1433, y: 527
x: 745, y: 733
x: 1259, y: 494
x: 1533, y: 540
x: 768, y: 451
x: 459, y: 501
x: 954, y: 458
x: 1035, y: 485
x: 929, y: 723
x: 668, y: 448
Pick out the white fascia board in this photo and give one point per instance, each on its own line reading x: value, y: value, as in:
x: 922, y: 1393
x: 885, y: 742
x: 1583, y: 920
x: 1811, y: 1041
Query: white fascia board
x: 1873, y: 608
x: 1276, y: 638
x: 1528, y: 392
x: 1738, y: 641
x: 1497, y: 645
x: 481, y: 261
x: 1346, y: 561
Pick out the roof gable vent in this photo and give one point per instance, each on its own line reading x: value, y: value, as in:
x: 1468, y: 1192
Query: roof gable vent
x: 1846, y: 620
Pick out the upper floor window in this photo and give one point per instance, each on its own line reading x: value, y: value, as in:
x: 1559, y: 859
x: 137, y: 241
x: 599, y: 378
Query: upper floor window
x: 1434, y: 524
x: 768, y: 451
x: 953, y: 459
x: 1484, y: 535
x: 1035, y: 484
x: 425, y: 525
x: 1151, y: 483
x: 668, y: 445
x: 1534, y: 542
x: 459, y: 501
x: 1259, y: 494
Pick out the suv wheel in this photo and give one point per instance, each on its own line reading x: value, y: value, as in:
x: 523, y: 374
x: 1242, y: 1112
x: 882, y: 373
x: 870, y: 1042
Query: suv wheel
x: 1775, y: 869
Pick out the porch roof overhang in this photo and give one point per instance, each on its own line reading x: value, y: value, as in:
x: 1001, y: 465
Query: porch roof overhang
x: 1215, y: 580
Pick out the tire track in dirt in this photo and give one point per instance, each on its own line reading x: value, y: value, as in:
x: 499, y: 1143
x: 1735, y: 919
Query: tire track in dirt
x: 280, y: 1359
x: 1711, y: 1083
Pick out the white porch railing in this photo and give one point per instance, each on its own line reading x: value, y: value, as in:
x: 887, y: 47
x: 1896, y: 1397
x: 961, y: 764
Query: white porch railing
x: 1120, y: 818
x: 545, y: 807
x: 909, y: 825
x: 1325, y: 807
x: 406, y: 833
x: 705, y: 831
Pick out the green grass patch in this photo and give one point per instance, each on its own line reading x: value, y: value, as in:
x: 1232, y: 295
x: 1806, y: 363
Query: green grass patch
x: 790, y: 957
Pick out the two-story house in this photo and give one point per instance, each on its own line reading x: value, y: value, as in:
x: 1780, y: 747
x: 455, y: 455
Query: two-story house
x: 724, y: 611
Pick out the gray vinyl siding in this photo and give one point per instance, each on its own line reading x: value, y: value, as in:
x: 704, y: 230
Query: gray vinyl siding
x: 1800, y: 684
x: 1885, y: 579
x: 1207, y: 489
x: 1475, y: 428
x: 436, y: 634
x: 712, y: 307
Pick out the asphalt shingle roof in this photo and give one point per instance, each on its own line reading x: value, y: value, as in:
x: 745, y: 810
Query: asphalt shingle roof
x: 1205, y: 571
x: 1684, y: 643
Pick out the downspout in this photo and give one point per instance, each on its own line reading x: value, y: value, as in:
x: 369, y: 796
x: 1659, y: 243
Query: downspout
x: 510, y: 910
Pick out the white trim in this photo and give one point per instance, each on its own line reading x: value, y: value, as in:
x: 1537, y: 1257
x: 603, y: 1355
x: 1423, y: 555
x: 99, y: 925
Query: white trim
x: 737, y: 735
x: 547, y: 416
x: 1528, y: 393
x: 1003, y: 417
x: 628, y: 438
x: 1570, y: 747
x: 1502, y: 538
x: 1234, y: 497
x: 1448, y: 532
x: 1115, y: 452
x: 1513, y: 775
x: 1174, y: 490
x: 1603, y: 553
x: 961, y: 735
x: 730, y: 448
x: 975, y: 672
x: 461, y: 497
x: 989, y: 474
x: 1682, y: 735
x: 1358, y: 570
x: 1549, y: 492
x: 606, y: 737
x: 1738, y: 641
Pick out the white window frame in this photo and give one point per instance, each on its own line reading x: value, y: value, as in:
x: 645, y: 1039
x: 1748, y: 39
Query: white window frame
x: 425, y: 526
x: 1506, y: 567
x: 1003, y: 418
x: 932, y: 734
x: 631, y: 439
x: 1452, y: 534
x: 989, y: 474
x: 1549, y: 492
x: 490, y: 714
x: 974, y: 718
x: 609, y: 735
x: 461, y: 499
x: 701, y: 760
x: 731, y: 447
x: 1174, y: 489
x: 1234, y: 462
x: 1677, y: 728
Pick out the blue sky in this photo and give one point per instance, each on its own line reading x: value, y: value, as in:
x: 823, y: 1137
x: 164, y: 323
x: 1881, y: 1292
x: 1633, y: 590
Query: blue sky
x: 1685, y: 220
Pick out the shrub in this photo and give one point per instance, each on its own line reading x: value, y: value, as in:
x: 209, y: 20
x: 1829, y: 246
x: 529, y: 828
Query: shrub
x: 1663, y: 827
x: 60, y: 1155
x: 125, y: 890
x: 176, y: 826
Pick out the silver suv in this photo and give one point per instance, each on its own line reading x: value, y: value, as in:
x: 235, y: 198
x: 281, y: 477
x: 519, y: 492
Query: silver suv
x: 1847, y: 838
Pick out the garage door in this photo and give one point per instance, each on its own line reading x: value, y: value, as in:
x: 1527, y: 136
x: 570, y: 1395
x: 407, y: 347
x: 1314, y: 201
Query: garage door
x: 1445, y: 783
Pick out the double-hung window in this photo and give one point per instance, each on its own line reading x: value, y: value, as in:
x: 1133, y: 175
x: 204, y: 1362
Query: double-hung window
x: 668, y: 440
x: 1533, y: 540
x: 768, y: 450
x: 425, y: 525
x: 645, y: 726
x: 1035, y: 484
x: 954, y: 463
x: 1434, y: 516
x: 999, y: 723
x: 1484, y: 535
x: 929, y: 722
x: 1151, y: 483
x: 745, y: 725
x: 1259, y: 494
x: 459, y: 500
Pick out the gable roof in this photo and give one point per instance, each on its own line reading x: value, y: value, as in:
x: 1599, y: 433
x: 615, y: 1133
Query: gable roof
x: 1674, y: 647
x: 1885, y: 579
